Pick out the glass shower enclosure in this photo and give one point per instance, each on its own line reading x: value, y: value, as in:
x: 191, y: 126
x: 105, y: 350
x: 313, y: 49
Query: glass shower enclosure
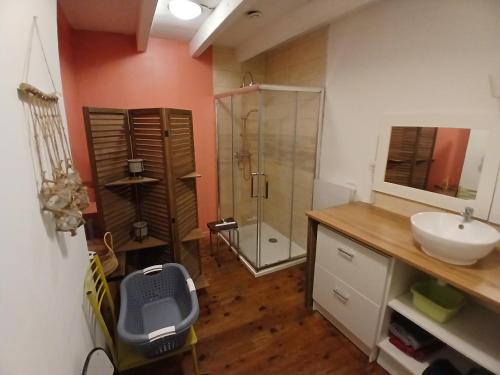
x: 267, y: 150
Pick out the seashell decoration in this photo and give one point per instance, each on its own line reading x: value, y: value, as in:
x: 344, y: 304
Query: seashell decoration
x: 62, y: 191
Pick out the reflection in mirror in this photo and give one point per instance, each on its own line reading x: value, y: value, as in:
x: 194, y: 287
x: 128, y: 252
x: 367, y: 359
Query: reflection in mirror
x: 442, y: 160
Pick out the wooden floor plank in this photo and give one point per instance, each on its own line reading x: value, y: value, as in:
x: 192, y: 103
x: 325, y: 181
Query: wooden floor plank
x: 250, y: 326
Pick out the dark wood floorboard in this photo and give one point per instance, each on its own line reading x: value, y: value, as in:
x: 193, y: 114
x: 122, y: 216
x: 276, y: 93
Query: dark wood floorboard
x: 258, y: 326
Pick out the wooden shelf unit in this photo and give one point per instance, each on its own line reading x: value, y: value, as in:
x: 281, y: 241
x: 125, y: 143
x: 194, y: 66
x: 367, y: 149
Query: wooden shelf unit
x: 190, y: 175
x: 131, y: 181
x: 147, y: 243
x: 201, y: 282
x: 165, y: 197
x: 194, y: 235
x: 473, y: 332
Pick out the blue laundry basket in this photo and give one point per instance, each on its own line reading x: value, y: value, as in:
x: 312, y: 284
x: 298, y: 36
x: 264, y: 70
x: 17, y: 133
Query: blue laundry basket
x: 158, y: 307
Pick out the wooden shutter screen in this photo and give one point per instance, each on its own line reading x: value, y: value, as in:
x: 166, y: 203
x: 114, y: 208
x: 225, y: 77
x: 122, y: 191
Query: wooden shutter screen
x: 181, y: 138
x: 148, y: 141
x: 109, y: 148
x: 183, y: 169
x: 410, y: 156
x: 424, y: 150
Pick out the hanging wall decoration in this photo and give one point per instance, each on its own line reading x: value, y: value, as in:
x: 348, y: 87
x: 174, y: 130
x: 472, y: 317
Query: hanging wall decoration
x: 62, y: 191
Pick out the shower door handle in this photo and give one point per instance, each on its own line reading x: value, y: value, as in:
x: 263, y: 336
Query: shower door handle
x: 266, y: 188
x: 252, y: 195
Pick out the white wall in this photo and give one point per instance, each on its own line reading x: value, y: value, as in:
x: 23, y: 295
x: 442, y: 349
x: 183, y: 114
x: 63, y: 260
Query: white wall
x: 474, y: 159
x: 403, y: 56
x: 42, y: 324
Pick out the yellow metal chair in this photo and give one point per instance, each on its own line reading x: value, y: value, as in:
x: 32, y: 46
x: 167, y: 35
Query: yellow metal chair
x: 124, y: 356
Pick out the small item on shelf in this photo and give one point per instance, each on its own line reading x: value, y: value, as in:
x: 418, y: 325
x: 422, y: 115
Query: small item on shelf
x: 410, y: 333
x: 140, y: 230
x: 420, y: 354
x: 441, y: 367
x: 437, y: 300
x: 411, y: 339
x: 136, y: 167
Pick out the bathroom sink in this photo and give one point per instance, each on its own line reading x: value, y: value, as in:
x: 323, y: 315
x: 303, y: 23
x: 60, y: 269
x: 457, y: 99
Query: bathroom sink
x: 450, y: 238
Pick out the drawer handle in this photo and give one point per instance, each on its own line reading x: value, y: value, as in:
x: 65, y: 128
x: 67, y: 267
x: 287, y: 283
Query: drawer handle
x: 340, y: 296
x: 345, y: 253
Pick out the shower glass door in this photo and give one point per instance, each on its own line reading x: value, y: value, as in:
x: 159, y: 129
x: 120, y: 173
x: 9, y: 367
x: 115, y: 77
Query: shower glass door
x: 225, y: 156
x: 277, y: 150
x: 246, y: 178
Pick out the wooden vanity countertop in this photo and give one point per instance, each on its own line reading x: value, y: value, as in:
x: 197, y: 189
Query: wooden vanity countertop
x: 390, y: 233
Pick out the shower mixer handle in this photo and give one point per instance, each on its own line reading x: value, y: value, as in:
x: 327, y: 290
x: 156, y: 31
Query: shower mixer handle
x: 252, y: 190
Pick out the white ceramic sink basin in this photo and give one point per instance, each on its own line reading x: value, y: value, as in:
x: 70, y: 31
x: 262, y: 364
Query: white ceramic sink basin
x: 448, y: 238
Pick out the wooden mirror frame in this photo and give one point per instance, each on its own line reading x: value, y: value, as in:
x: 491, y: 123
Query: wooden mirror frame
x: 487, y: 182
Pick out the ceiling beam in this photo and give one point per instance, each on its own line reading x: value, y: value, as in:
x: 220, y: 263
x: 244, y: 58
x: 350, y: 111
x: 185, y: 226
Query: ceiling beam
x: 312, y: 14
x: 225, y: 12
x: 145, y: 20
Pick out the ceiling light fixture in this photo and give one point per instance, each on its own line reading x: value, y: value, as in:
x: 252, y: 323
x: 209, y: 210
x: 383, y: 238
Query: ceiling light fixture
x: 184, y: 9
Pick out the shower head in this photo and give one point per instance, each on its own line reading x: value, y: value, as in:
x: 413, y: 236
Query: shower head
x: 245, y: 117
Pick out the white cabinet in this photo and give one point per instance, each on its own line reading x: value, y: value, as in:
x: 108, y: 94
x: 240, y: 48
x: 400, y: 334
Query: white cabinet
x: 349, y: 285
x: 363, y: 269
x: 354, y: 311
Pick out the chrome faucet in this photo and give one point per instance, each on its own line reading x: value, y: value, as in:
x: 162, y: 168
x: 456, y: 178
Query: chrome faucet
x: 467, y: 214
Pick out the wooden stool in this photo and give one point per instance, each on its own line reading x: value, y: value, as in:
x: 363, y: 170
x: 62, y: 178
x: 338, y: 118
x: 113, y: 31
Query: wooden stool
x: 216, y: 227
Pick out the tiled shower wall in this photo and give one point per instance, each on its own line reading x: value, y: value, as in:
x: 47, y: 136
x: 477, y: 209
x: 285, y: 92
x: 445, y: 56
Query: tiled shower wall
x: 299, y: 62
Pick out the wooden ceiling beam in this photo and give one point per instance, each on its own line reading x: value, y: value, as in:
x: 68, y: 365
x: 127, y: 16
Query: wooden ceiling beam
x: 225, y: 12
x: 144, y: 22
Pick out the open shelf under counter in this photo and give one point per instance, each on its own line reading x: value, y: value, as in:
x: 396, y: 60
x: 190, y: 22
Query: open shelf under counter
x: 131, y: 181
x: 145, y: 244
x: 412, y: 366
x: 473, y: 332
x: 190, y: 175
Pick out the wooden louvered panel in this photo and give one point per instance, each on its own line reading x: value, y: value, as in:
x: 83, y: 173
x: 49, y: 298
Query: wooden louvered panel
x: 185, y: 196
x: 182, y: 162
x: 109, y: 147
x: 181, y: 142
x: 147, y: 132
x: 154, y: 210
x: 410, y: 156
x: 190, y: 257
x: 163, y: 138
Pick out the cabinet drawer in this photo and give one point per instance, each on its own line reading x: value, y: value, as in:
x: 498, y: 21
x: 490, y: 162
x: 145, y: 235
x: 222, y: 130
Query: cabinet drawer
x: 361, y: 268
x: 358, y: 314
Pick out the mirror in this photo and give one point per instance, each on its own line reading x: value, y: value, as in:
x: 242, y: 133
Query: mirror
x: 447, y: 161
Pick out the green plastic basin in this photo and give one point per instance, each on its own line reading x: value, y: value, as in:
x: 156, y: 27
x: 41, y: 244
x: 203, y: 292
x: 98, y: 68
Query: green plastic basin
x: 439, y: 302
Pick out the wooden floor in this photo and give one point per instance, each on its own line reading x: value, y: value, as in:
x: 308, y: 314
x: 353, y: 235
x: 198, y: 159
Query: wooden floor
x: 258, y: 326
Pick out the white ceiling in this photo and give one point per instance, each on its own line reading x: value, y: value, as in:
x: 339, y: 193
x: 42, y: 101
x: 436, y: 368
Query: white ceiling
x: 244, y: 27
x: 165, y: 25
x: 120, y: 16
x: 227, y: 26
x: 116, y: 16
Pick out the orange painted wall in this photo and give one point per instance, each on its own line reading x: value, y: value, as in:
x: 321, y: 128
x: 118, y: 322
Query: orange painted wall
x: 449, y: 155
x: 105, y: 70
x: 71, y: 99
